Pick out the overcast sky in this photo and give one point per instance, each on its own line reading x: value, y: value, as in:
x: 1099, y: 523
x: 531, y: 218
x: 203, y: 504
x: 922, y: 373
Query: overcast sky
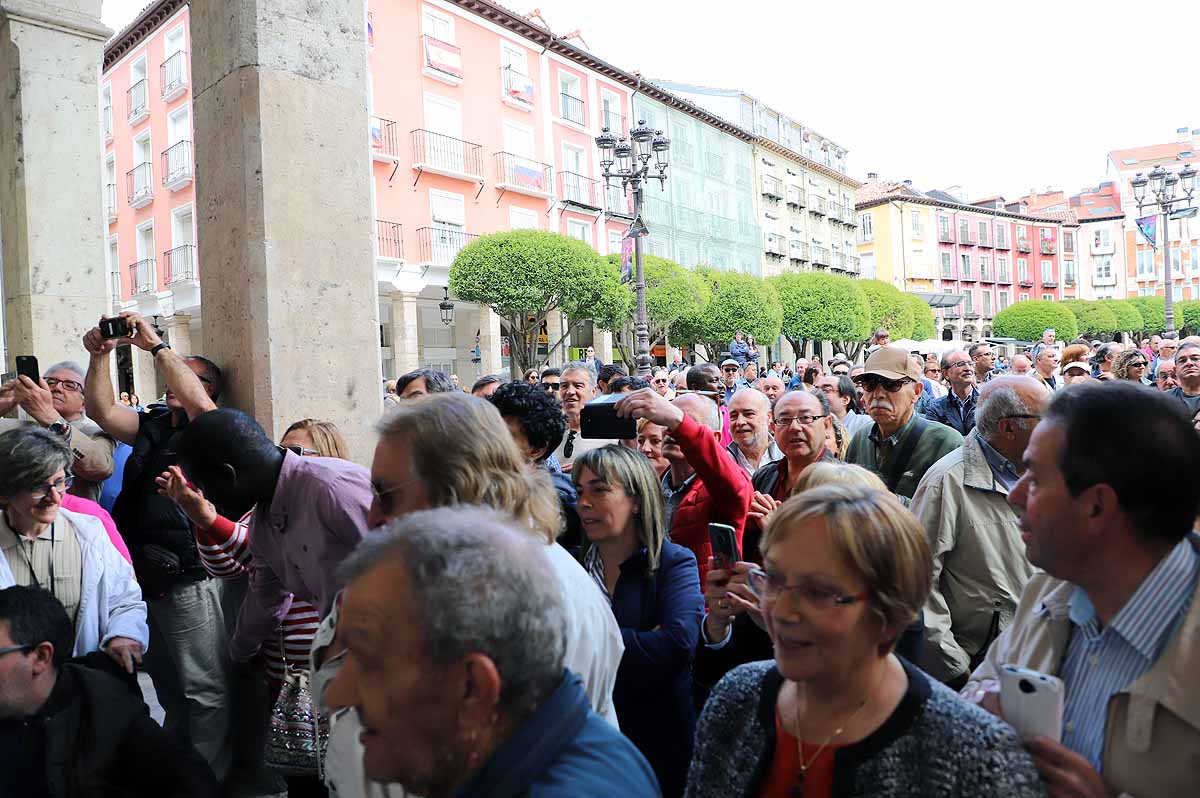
x: 1025, y: 94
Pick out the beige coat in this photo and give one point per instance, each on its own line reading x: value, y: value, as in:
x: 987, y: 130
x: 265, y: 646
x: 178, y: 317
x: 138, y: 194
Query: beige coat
x: 1152, y: 734
x: 979, y: 565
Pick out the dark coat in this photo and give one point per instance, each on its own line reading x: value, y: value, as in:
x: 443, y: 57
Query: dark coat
x: 660, y: 616
x: 945, y: 411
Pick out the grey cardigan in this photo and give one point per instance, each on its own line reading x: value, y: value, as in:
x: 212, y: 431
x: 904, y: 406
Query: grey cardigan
x: 935, y: 745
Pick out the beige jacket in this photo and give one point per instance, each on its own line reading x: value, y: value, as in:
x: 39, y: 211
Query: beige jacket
x: 979, y: 565
x: 1152, y: 734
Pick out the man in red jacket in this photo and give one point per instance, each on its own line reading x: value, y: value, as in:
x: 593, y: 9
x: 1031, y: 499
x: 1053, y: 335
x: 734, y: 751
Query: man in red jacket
x: 704, y: 484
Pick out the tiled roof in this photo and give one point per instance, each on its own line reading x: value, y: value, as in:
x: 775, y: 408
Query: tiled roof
x: 878, y: 189
x: 142, y: 26
x: 1135, y: 156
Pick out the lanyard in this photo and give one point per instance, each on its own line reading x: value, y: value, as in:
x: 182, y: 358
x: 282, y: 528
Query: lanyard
x: 29, y: 561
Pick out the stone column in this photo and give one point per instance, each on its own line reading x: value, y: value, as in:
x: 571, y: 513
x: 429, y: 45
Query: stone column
x: 406, y: 326
x: 603, y: 343
x: 55, y: 285
x: 179, y: 333
x: 145, y: 376
x: 554, y: 331
x: 491, y: 361
x: 285, y: 216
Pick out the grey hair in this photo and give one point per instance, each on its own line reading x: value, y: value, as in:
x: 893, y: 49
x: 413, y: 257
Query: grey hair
x: 28, y: 457
x: 1001, y: 401
x: 579, y: 365
x: 482, y: 587
x: 712, y: 413
x: 67, y: 365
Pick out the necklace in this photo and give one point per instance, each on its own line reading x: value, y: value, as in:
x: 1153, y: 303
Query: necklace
x: 798, y: 790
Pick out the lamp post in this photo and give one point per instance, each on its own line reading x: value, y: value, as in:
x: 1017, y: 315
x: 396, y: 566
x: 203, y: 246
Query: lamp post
x: 628, y: 160
x: 1163, y: 186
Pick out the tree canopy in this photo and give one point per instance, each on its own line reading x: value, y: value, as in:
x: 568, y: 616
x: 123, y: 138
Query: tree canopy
x: 822, y: 307
x: 1093, y: 318
x: 1128, y: 317
x: 1026, y: 321
x: 737, y: 302
x: 924, y: 327
x: 1153, y: 310
x: 889, y: 308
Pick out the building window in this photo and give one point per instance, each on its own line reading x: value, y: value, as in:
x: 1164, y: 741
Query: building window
x: 947, y: 266
x: 1048, y: 297
x: 1068, y: 241
x: 1175, y: 259
x: 1024, y: 297
x: 1003, y: 300
x: 867, y: 225
x: 1103, y: 267
x: 969, y: 302
x: 1047, y: 271
x: 917, y: 229
x: 522, y: 219
x: 1145, y: 261
x: 1001, y: 234
x: 1022, y: 269
x: 1178, y: 293
x: 1101, y: 238
x: 987, y: 303
x: 983, y: 263
x: 983, y: 232
x: 1046, y: 233
x: 580, y: 230
x: 1192, y: 258
x: 966, y: 265
x: 964, y: 231
x: 439, y: 26
x: 1069, y: 272
x: 1002, y: 269
x: 614, y: 242
x: 944, y: 227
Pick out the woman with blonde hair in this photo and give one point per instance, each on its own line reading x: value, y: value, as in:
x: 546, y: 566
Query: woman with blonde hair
x: 655, y: 594
x: 844, y: 572
x: 837, y: 473
x: 309, y: 437
x: 1131, y: 365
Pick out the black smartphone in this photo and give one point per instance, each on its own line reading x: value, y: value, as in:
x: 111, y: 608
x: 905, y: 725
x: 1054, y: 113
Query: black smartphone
x: 116, y: 327
x: 27, y: 366
x: 724, y: 546
x: 599, y: 419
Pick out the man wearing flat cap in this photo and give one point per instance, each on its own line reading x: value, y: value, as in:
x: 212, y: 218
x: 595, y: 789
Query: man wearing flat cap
x: 731, y: 373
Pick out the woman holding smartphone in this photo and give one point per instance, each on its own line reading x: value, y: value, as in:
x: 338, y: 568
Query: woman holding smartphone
x: 655, y: 593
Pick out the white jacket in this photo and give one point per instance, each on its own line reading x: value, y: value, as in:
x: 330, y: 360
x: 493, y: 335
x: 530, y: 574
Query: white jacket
x: 110, y: 601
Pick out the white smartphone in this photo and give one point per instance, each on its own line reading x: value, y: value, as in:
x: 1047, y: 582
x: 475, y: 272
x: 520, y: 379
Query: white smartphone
x: 1032, y: 702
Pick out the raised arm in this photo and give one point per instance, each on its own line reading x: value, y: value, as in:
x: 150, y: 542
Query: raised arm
x: 99, y: 399
x: 180, y: 378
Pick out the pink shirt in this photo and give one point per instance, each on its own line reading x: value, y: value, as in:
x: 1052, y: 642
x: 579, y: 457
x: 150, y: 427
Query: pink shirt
x: 78, y: 504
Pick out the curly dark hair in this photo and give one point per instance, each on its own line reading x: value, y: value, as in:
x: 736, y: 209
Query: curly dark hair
x: 536, y: 410
x: 619, y: 384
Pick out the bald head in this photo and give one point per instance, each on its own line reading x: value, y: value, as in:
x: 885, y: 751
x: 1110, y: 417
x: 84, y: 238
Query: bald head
x: 1021, y: 364
x: 1030, y: 390
x: 701, y: 409
x: 772, y: 388
x: 754, y: 400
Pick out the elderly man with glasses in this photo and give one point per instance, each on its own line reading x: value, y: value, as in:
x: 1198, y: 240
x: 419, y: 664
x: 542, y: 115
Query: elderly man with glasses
x: 56, y: 403
x: 957, y: 408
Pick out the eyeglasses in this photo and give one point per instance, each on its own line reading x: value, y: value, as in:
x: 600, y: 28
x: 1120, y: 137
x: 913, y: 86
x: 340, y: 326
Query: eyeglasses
x: 550, y: 386
x: 1022, y: 415
x: 40, y: 492
x: 959, y: 364
x: 933, y: 371
x: 300, y: 450
x: 805, y: 421
x: 14, y: 649
x: 68, y: 385
x: 770, y: 587
x: 869, y: 382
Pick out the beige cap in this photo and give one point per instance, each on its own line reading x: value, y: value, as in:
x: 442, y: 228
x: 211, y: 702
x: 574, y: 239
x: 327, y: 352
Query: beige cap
x: 891, y: 363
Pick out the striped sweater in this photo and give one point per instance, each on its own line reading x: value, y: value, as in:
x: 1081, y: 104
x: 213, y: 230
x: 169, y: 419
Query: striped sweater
x: 225, y: 553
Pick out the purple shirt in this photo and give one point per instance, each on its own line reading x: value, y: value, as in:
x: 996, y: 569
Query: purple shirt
x: 317, y: 517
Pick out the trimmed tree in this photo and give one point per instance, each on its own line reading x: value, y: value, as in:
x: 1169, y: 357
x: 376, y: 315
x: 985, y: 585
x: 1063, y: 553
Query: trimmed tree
x: 889, y: 309
x: 924, y: 326
x: 1025, y: 321
x: 737, y: 302
x: 1187, y: 317
x: 1093, y: 318
x: 1128, y: 317
x: 672, y: 292
x: 524, y: 275
x: 1153, y: 310
x: 822, y: 307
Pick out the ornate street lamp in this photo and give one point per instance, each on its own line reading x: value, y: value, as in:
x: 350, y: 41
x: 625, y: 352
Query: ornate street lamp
x: 446, y: 307
x: 628, y: 160
x: 1164, y: 193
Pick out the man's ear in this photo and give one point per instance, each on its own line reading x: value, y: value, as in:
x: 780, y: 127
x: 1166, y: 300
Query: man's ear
x: 228, y: 473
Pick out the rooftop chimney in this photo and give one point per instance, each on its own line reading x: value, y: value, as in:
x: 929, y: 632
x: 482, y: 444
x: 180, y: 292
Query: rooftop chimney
x: 872, y: 176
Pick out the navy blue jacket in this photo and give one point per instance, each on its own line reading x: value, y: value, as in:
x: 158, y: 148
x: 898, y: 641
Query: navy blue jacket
x: 739, y: 351
x: 660, y: 616
x: 563, y: 748
x: 945, y: 410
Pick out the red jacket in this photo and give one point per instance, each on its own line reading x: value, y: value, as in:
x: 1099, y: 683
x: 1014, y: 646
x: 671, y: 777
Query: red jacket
x: 720, y: 493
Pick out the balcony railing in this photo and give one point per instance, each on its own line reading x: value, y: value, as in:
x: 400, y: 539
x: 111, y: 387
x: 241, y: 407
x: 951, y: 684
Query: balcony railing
x: 384, y: 144
x: 514, y: 173
x: 579, y: 190
x: 173, y: 77
x: 1025, y: 282
x: 1101, y: 248
x: 947, y: 272
x: 774, y: 245
x: 141, y: 276
x: 772, y: 187
x: 688, y: 220
x: 181, y: 264
x: 518, y: 87
x: 1069, y: 281
x: 853, y: 264
x: 795, y: 196
x: 820, y: 255
x: 964, y: 238
x: 439, y: 246
x: 613, y: 122
x: 1048, y: 247
x: 722, y: 229
x: 984, y: 242
x: 106, y: 122
x: 136, y: 97
x: 972, y: 314
x: 1002, y: 243
x: 389, y: 240
x: 110, y: 200
x: 798, y: 251
x: 572, y: 108
x: 839, y: 261
x: 139, y: 182
x: 1051, y: 283
x: 1004, y: 277
x: 835, y: 212
x: 177, y: 166
x: 446, y: 155
x: 443, y: 61
x: 850, y: 216
x: 715, y: 162
x: 945, y: 236
x: 953, y: 314
x: 1023, y: 245
x: 967, y: 276
x: 816, y: 206
x: 616, y: 201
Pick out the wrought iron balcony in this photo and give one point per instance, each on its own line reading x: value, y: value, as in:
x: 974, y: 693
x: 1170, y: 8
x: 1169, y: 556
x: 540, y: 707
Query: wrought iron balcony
x: 616, y: 201
x: 839, y: 261
x: 1051, y: 283
x: 1048, y: 247
x: 443, y: 61
x: 715, y: 162
x: 772, y: 187
x: 945, y: 236
x: 820, y: 255
x: 518, y: 88
x: 853, y: 264
x: 816, y: 206
x: 798, y: 251
x: 572, y: 108
x: 141, y: 275
x: 985, y: 275
x: 173, y: 76
x: 953, y: 314
x: 774, y: 245
x: 795, y: 196
x: 1002, y: 243
x: 722, y: 229
x: 688, y: 220
x: 177, y: 166
x: 389, y: 240
x: 964, y: 239
x: 181, y: 264
x: 1023, y: 245
x: 384, y: 144
x: 835, y: 212
x: 971, y: 314
x: 1025, y: 282
x: 446, y: 155
x: 984, y: 241
x: 135, y: 96
x: 967, y: 276
x: 1004, y: 277
x: 614, y: 122
x: 1069, y: 281
x: 578, y: 190
x: 948, y: 273
x: 439, y: 246
x: 514, y: 173
x: 139, y: 184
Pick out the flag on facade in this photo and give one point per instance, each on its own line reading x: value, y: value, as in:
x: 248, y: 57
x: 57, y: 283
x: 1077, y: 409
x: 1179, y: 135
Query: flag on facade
x: 370, y: 31
x: 1149, y: 227
x: 443, y: 57
x: 529, y: 177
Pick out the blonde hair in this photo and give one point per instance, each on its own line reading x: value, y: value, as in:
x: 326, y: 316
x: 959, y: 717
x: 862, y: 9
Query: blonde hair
x: 326, y: 437
x: 841, y: 437
x: 631, y: 471
x: 463, y: 453
x: 877, y: 536
x: 837, y: 473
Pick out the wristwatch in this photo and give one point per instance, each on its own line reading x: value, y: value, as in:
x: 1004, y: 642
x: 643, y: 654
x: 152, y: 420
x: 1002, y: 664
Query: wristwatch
x: 60, y: 427
x: 158, y: 348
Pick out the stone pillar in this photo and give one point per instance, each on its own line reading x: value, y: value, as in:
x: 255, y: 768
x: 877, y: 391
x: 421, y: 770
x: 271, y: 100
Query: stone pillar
x: 406, y: 326
x: 55, y: 285
x: 145, y: 376
x: 554, y: 330
x: 603, y: 343
x: 283, y: 190
x: 179, y: 333
x: 491, y: 360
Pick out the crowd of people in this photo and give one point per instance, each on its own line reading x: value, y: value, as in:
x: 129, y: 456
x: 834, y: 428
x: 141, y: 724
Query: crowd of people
x: 771, y: 581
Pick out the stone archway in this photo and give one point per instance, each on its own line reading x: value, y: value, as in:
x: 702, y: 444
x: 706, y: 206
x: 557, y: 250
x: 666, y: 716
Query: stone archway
x: 947, y: 333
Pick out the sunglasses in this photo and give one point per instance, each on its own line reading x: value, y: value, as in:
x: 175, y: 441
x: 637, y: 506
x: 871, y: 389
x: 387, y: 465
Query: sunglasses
x: 731, y: 370
x: 869, y: 382
x: 550, y: 386
x: 300, y: 450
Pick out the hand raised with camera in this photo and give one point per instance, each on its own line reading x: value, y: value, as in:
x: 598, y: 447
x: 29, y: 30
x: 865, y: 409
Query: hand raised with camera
x: 649, y: 404
x: 37, y: 400
x: 95, y: 342
x: 144, y: 335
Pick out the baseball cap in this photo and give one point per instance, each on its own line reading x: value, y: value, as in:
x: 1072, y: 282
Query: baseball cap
x: 1076, y: 365
x: 730, y: 362
x: 891, y: 363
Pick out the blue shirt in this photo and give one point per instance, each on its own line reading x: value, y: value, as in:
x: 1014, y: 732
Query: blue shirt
x: 1103, y: 661
x: 1004, y: 471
